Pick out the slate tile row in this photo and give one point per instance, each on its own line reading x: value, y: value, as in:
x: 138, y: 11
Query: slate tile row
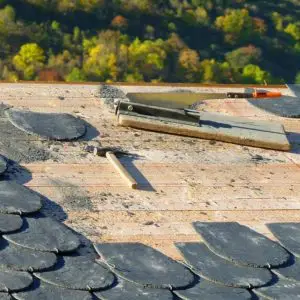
x: 39, y: 257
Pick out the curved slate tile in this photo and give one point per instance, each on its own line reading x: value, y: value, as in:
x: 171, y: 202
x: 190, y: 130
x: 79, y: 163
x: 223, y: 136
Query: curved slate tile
x: 241, y: 244
x: 290, y: 271
x: 48, y: 125
x: 79, y: 273
x: 144, y: 265
x: 43, y: 291
x: 286, y: 106
x: 17, y: 199
x: 45, y: 234
x: 21, y: 259
x: 9, y: 223
x: 3, y: 164
x: 211, y: 291
x: 12, y: 281
x: 126, y: 290
x: 283, y: 289
x: 288, y: 235
x: 4, y: 296
x: 214, y: 268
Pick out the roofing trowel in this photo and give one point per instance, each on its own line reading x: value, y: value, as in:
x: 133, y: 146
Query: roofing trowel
x: 181, y: 100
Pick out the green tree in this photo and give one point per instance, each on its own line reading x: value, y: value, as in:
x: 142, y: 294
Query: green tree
x: 297, y: 78
x: 238, y: 25
x: 29, y: 60
x: 188, y: 69
x: 76, y: 75
x: 147, y: 58
x: 254, y: 74
x: 243, y: 56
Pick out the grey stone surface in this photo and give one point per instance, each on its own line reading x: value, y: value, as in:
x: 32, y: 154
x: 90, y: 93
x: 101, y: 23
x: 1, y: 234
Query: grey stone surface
x: 17, y: 199
x: 144, y: 265
x: 281, y: 290
x: 290, y: 271
x: 78, y: 272
x: 9, y: 223
x: 48, y: 125
x: 212, y: 267
x: 126, y: 290
x: 241, y: 244
x: 12, y: 281
x: 288, y: 235
x: 21, y: 259
x: 45, y: 234
x: 4, y: 296
x: 286, y: 106
x: 3, y: 164
x: 43, y: 291
x: 211, y: 291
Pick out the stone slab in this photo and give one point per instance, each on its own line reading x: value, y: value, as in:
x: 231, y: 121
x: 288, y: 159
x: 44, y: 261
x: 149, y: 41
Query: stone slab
x: 212, y: 267
x: 126, y: 290
x: 79, y: 273
x: 211, y: 291
x: 21, y: 259
x: 45, y: 234
x: 43, y: 291
x: 3, y: 164
x: 218, y: 127
x: 286, y: 106
x: 18, y: 199
x: 144, y: 265
x: 282, y: 290
x: 288, y: 235
x: 10, y: 223
x: 291, y: 271
x: 47, y: 125
x: 241, y: 244
x: 4, y: 296
x: 12, y: 281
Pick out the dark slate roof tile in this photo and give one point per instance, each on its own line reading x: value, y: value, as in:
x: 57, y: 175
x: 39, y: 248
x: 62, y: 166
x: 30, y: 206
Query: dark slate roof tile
x: 281, y: 290
x: 126, y: 290
x: 290, y: 271
x: 43, y: 291
x: 4, y: 296
x: 241, y: 244
x: 208, y: 290
x: 285, y: 106
x: 78, y: 272
x: 144, y: 265
x: 288, y: 235
x: 17, y: 199
x: 48, y: 125
x: 3, y: 164
x: 45, y: 234
x: 13, y: 281
x: 10, y: 223
x: 21, y: 259
x: 212, y: 267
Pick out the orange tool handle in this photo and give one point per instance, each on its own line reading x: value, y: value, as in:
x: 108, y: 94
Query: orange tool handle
x: 257, y: 94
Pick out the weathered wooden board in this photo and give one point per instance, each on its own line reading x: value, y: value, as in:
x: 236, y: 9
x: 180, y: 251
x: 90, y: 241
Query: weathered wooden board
x: 218, y: 127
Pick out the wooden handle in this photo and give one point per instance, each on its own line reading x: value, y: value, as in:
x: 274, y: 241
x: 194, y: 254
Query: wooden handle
x: 120, y: 168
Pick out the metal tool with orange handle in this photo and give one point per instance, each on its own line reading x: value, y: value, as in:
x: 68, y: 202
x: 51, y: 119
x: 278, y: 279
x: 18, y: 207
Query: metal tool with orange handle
x: 255, y: 94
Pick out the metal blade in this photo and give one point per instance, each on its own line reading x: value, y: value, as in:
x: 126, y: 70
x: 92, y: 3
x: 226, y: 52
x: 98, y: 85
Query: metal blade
x: 173, y: 100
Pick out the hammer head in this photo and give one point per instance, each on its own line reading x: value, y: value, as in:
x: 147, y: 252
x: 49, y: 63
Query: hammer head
x: 101, y: 151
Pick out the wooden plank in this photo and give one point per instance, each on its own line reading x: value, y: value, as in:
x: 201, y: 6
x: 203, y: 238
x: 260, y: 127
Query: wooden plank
x: 218, y: 127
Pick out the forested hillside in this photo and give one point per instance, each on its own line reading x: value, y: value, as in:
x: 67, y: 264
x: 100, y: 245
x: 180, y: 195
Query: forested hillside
x: 223, y: 41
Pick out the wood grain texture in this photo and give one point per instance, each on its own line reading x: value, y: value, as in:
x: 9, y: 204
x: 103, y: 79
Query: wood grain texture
x: 182, y: 179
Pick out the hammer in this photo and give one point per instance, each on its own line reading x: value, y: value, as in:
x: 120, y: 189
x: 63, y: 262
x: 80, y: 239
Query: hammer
x: 110, y: 153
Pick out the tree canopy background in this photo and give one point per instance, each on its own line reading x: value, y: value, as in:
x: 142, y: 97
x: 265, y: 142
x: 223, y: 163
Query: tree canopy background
x: 214, y: 41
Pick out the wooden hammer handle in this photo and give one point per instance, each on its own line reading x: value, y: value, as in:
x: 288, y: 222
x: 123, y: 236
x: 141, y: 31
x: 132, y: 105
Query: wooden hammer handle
x: 120, y: 168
